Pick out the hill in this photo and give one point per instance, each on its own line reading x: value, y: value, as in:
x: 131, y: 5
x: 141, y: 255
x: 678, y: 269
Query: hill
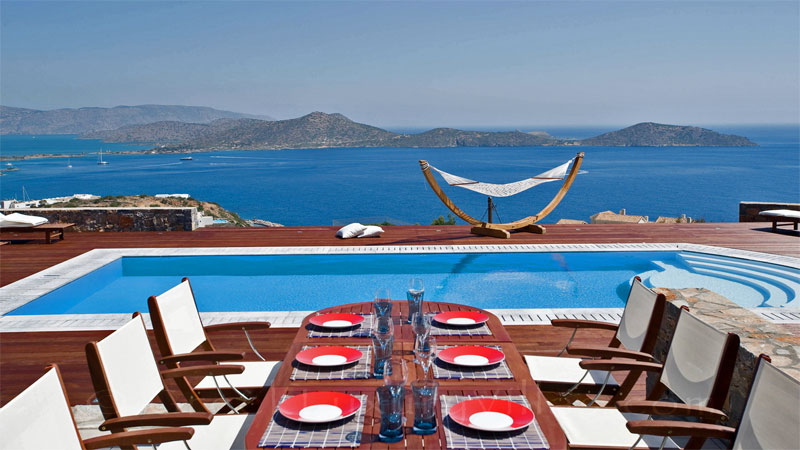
x: 83, y: 120
x: 320, y: 130
x: 649, y: 134
x: 165, y: 132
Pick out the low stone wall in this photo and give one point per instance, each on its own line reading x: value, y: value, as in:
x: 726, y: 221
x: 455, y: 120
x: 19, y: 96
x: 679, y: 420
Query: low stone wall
x: 119, y: 219
x: 756, y: 336
x: 748, y: 211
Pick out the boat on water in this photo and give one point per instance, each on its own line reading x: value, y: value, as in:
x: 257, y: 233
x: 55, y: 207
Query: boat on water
x: 186, y: 158
x: 100, y: 161
x: 69, y: 163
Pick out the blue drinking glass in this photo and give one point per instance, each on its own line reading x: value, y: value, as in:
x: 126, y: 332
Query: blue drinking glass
x: 416, y: 291
x: 382, y: 344
x: 390, y: 402
x: 382, y: 305
x: 424, y: 393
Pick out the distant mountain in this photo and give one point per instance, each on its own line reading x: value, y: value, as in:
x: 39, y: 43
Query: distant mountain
x: 648, y: 134
x: 83, y: 120
x: 166, y: 132
x: 321, y: 130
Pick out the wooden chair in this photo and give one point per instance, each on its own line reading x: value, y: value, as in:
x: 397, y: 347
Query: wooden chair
x: 698, y: 370
x: 771, y: 418
x: 181, y: 337
x: 40, y: 417
x: 126, y: 379
x: 636, y: 332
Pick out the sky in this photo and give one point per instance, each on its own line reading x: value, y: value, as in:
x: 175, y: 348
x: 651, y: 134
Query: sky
x: 414, y: 64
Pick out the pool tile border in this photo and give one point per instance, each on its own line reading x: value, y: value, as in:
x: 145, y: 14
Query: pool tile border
x: 23, y: 291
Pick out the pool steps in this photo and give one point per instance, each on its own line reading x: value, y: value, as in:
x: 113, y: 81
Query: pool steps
x: 778, y: 287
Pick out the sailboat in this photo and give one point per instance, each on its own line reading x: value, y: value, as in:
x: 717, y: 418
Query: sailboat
x: 101, y: 162
x: 69, y: 163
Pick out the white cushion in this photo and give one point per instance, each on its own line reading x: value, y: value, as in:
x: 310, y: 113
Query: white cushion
x: 256, y: 374
x: 224, y: 432
x: 350, y: 231
x: 781, y: 213
x: 555, y: 369
x: 21, y: 220
x: 371, y: 231
x: 602, y: 427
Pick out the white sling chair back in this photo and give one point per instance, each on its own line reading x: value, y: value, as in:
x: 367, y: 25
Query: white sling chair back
x: 636, y: 317
x: 769, y: 421
x: 636, y: 333
x: 181, y: 336
x: 40, y: 417
x: 771, y: 418
x: 697, y: 369
x: 126, y: 379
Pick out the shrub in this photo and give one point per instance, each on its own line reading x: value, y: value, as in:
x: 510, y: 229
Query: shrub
x: 115, y: 204
x: 440, y: 220
x: 155, y: 205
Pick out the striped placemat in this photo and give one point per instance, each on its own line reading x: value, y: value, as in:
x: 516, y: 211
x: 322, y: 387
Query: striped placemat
x: 283, y: 432
x: 458, y: 436
x: 353, y: 371
x: 442, y: 369
x: 360, y: 330
x: 440, y: 329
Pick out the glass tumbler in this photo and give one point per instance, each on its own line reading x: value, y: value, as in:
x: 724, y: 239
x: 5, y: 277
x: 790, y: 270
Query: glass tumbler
x: 424, y: 393
x: 390, y: 402
x: 382, y: 344
x: 416, y: 291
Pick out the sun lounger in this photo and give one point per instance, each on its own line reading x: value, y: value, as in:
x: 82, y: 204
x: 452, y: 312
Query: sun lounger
x: 181, y: 337
x: 698, y: 370
x: 22, y: 223
x: 781, y: 215
x: 40, y: 417
x: 126, y: 379
x: 635, y: 338
x: 770, y: 420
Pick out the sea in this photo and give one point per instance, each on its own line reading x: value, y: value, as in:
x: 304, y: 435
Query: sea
x: 371, y: 185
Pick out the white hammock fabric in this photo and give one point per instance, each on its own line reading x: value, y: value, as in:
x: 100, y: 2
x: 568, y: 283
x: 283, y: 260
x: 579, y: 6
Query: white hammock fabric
x: 508, y: 189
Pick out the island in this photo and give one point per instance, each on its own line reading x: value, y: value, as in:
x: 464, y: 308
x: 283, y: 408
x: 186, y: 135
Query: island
x: 322, y: 130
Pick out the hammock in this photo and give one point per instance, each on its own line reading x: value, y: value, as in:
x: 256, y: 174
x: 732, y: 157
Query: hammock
x: 508, y: 189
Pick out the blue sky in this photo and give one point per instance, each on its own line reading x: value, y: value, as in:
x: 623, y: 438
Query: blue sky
x: 412, y: 63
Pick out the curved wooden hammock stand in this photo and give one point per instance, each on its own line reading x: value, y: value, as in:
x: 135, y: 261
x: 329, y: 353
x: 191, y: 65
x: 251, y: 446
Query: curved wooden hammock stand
x: 503, y: 230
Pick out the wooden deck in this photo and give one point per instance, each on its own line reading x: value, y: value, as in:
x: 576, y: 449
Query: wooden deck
x: 23, y: 356
x: 25, y: 258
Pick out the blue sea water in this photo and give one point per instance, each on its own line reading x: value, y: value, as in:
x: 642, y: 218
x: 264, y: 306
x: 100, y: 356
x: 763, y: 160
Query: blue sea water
x: 317, y: 186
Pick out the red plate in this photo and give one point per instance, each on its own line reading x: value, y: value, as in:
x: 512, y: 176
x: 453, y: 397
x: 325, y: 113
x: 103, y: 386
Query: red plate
x: 491, y: 414
x: 461, y: 318
x: 319, y: 407
x: 336, y: 320
x: 471, y: 355
x: 328, y: 356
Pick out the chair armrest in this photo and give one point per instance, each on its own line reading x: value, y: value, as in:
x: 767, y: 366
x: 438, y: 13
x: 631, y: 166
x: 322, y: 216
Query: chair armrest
x: 139, y: 437
x: 575, y: 323
x: 680, y: 428
x: 619, y: 364
x: 202, y: 356
x: 238, y: 326
x: 203, y: 371
x: 599, y: 351
x: 177, y: 419
x: 670, y: 409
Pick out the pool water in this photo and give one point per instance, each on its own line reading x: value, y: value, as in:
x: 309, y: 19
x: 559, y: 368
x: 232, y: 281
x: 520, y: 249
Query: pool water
x: 483, y: 280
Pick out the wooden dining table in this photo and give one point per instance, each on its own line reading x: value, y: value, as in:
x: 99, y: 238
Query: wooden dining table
x: 521, y: 384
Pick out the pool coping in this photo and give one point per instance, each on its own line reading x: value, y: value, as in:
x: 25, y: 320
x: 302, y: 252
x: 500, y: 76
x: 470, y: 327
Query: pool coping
x: 32, y: 287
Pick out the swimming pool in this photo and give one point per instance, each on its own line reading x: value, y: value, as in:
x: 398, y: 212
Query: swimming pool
x: 490, y: 280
